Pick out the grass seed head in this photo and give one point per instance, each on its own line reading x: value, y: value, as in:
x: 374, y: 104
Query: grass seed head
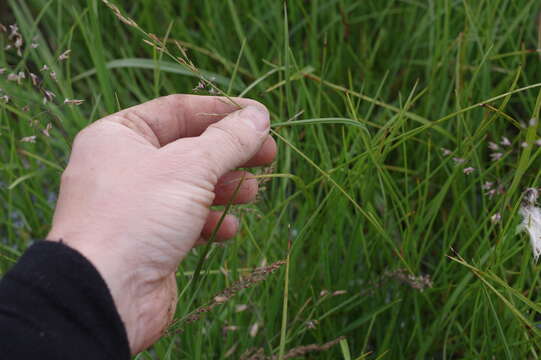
x: 118, y: 14
x: 29, y: 139
x: 73, y: 102
x: 493, y: 146
x: 459, y: 161
x: 65, y: 55
x: 468, y: 170
x: 254, y: 329
x: 487, y: 185
x: 420, y: 282
x: 505, y: 141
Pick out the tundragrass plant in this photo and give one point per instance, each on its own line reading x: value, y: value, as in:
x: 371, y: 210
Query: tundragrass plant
x: 406, y: 143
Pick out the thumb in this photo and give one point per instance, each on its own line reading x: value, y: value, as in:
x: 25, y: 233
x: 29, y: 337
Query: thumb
x: 236, y: 138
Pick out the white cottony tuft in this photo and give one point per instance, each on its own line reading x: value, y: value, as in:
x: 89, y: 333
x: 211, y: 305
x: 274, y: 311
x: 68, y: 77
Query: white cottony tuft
x: 531, y: 220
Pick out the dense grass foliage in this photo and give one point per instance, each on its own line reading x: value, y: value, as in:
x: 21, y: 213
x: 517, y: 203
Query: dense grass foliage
x: 362, y: 200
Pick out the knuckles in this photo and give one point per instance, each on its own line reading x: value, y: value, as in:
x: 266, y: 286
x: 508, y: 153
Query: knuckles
x: 90, y: 133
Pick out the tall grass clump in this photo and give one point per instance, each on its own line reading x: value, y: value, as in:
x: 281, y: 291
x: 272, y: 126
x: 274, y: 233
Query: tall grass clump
x: 409, y: 161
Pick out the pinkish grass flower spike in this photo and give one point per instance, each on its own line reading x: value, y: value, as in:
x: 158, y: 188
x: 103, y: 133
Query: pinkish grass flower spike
x: 64, y: 56
x: 73, y: 102
x: 446, y: 152
x: 496, y: 156
x: 468, y: 170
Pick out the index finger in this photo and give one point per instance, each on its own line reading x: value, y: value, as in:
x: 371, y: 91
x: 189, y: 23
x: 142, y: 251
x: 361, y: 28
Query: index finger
x: 172, y: 117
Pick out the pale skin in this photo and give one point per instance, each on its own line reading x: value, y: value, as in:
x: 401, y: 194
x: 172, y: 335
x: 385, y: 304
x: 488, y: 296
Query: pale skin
x: 136, y: 195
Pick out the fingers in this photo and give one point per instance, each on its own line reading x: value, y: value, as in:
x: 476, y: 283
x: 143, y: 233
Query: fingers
x: 227, y: 185
x: 172, y: 117
x: 229, y: 143
x: 227, y: 229
x: 265, y: 155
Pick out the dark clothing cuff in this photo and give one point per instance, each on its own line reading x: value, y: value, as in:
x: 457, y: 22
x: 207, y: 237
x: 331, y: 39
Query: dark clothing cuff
x: 55, y: 305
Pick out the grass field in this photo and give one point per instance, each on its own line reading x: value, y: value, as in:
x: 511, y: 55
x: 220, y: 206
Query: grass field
x: 397, y: 245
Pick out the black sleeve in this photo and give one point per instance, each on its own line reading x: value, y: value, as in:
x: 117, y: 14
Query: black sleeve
x: 55, y: 305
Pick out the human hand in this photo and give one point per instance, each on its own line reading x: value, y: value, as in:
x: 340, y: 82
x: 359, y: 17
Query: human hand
x: 136, y: 195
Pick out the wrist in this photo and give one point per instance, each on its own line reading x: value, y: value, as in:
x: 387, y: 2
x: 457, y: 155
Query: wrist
x: 137, y: 301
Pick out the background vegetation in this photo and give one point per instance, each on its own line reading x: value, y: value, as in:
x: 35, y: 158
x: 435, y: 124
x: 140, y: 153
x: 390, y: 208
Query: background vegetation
x: 388, y: 241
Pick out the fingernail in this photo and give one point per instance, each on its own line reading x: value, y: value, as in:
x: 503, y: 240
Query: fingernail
x: 257, y: 116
